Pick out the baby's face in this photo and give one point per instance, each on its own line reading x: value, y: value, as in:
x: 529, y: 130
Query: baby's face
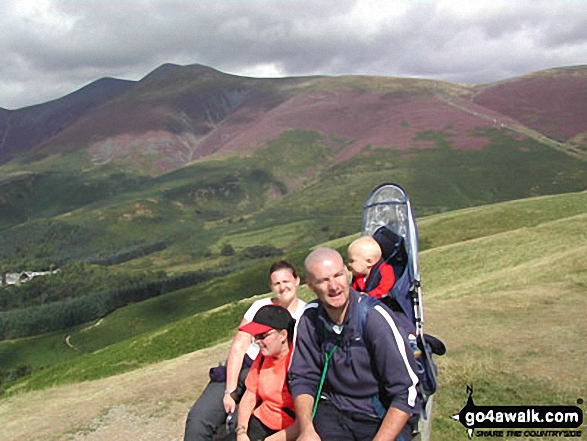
x: 358, y: 263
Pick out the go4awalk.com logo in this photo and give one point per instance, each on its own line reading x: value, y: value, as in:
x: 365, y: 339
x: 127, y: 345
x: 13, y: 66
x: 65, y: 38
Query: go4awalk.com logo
x: 520, y: 421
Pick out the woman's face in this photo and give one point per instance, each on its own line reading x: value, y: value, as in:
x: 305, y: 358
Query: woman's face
x: 284, y: 285
x: 272, y: 343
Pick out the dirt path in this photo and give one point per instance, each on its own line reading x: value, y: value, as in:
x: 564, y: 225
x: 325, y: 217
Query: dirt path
x: 504, y: 122
x: 149, y: 404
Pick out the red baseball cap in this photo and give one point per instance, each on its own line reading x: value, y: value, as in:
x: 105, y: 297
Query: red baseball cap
x: 267, y: 318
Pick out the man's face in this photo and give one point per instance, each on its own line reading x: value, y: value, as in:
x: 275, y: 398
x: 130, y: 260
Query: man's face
x: 329, y: 279
x: 284, y: 285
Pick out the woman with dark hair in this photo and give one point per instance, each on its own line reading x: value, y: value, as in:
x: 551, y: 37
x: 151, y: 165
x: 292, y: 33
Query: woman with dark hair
x: 226, y: 386
x: 266, y: 409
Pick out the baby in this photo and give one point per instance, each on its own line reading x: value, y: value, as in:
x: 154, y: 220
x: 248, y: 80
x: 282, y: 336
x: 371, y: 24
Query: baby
x: 373, y: 276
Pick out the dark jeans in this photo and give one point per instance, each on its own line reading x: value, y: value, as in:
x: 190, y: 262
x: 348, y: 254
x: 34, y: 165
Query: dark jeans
x: 257, y: 431
x: 332, y: 424
x: 207, y: 415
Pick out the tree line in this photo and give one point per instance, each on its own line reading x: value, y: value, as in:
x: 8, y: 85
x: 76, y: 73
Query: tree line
x: 73, y: 311
x: 72, y: 280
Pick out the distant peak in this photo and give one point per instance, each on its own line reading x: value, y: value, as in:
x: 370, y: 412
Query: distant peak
x: 166, y: 66
x: 167, y: 69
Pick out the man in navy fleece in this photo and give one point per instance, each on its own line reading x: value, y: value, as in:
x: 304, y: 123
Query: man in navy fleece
x: 369, y: 392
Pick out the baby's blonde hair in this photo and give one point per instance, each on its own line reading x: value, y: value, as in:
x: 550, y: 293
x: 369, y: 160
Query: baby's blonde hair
x: 367, y: 247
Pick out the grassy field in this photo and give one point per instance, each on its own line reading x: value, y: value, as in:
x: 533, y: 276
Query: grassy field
x: 510, y: 307
x: 504, y: 288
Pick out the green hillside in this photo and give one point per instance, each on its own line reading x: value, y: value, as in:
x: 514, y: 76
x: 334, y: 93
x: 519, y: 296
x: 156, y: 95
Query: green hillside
x: 163, y: 208
x: 180, y: 220
x: 219, y: 215
x: 506, y: 294
x: 510, y: 306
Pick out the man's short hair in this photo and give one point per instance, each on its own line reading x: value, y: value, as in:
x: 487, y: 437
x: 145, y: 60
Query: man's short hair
x: 283, y: 264
x: 320, y: 254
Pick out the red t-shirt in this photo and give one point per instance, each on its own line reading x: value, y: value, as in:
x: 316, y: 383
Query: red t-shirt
x: 385, y: 284
x: 268, y: 382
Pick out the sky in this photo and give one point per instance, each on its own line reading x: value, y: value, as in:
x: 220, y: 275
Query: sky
x: 49, y: 48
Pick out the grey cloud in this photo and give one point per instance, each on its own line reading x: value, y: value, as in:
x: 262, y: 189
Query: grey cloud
x: 71, y: 43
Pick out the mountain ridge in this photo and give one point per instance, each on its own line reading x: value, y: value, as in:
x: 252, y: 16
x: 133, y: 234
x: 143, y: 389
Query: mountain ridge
x: 174, y: 168
x: 189, y: 112
x: 23, y: 129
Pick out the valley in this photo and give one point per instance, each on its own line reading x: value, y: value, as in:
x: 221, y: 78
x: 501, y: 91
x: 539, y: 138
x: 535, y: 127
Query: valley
x: 162, y: 201
x: 503, y: 287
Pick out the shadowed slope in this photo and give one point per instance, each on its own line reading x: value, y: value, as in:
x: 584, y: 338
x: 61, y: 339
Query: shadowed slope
x: 26, y: 128
x: 179, y: 114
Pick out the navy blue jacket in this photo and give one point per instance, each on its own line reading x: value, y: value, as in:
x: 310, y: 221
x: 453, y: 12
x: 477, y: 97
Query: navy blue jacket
x: 362, y: 375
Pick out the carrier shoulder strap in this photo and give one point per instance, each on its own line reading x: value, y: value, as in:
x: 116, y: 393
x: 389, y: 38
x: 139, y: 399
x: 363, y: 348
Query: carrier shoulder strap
x: 364, y: 305
x: 374, y: 277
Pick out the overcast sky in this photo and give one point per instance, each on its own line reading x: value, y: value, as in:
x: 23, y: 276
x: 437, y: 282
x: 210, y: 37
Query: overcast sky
x: 49, y: 48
